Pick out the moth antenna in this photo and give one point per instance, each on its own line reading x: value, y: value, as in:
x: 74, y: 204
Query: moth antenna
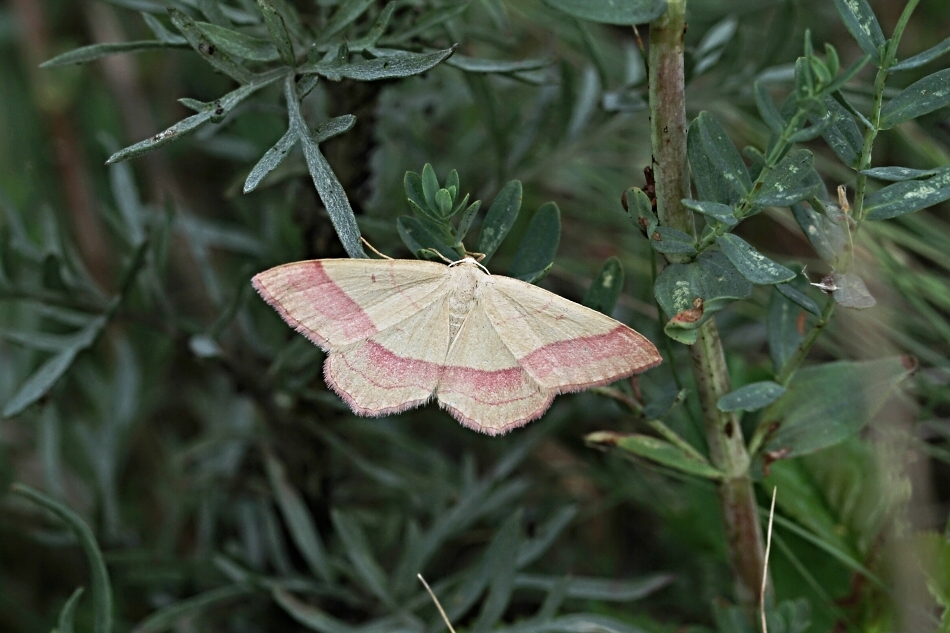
x: 476, y: 256
x: 765, y: 565
x: 470, y: 260
x: 441, y: 256
x: 438, y: 606
x: 373, y: 248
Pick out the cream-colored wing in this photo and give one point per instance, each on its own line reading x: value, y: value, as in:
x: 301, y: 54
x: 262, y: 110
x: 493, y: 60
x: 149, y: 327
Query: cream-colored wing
x: 561, y: 344
x: 335, y: 302
x: 483, y: 386
x: 395, y: 369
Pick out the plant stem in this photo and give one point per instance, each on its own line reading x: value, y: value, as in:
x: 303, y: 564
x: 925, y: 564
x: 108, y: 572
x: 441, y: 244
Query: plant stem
x: 724, y: 434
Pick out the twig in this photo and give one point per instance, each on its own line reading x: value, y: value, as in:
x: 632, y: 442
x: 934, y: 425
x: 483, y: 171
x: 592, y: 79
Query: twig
x: 765, y: 566
x: 436, y: 601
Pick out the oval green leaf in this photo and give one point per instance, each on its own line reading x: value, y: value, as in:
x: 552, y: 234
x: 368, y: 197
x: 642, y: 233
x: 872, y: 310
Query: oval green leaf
x: 752, y: 264
x: 500, y: 218
x: 620, y: 12
x: 606, y: 287
x: 929, y: 94
x: 751, y: 397
x: 535, y: 254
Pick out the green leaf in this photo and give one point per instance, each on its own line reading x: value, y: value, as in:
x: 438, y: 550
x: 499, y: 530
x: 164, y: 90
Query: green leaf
x: 620, y: 12
x: 256, y: 49
x: 933, y: 556
x: 468, y: 217
x: 767, y: 110
x: 327, y: 184
x: 392, y: 66
x: 752, y: 264
x: 859, y: 19
x: 378, y: 29
x: 500, y: 218
x: 418, y: 238
x: 667, y: 240
x: 923, y: 96
x: 167, y: 616
x: 270, y: 160
x: 97, y: 51
x: 850, y: 292
x: 657, y: 450
x: 435, y: 17
x: 538, y: 247
x: 828, y: 403
x: 785, y: 325
x: 908, y: 196
x: 278, y: 32
x: 798, y: 298
x: 843, y: 135
x: 218, y: 108
x: 308, y: 615
x: 751, y: 397
x: 496, y: 66
x: 500, y: 559
x: 533, y: 548
x: 722, y: 213
x: 67, y: 616
x: 788, y: 182
x: 640, y: 210
x: 922, y: 58
x: 430, y: 186
x: 899, y: 174
x: 358, y: 551
x: 829, y: 237
x: 600, y: 589
x: 43, y: 379
x: 297, y: 518
x: 217, y: 57
x: 101, y: 587
x: 606, y: 287
x: 717, y: 167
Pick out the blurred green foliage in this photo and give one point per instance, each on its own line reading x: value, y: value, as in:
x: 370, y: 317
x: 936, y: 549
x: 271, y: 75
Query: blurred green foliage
x: 187, y: 448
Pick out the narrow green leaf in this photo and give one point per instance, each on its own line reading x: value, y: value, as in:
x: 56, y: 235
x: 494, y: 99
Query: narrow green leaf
x: 751, y: 397
x: 43, y: 379
x: 859, y: 19
x: 667, y: 240
x: 849, y: 73
x: 38, y: 340
x: 430, y: 185
x: 167, y: 616
x: 358, y: 551
x: 620, y: 12
x: 278, y: 32
x: 270, y: 160
x: 798, y: 298
x: 599, y: 589
x: 899, y: 174
x: 67, y: 616
x: 378, y: 29
x: 308, y: 615
x: 722, y: 213
x: 843, y: 135
x: 752, y: 264
x: 659, y: 451
x: 93, y: 52
x: 606, y: 287
x: 127, y: 199
x: 217, y: 57
x: 828, y: 403
x: 497, y: 66
x: 184, y: 127
x: 850, y: 292
x: 923, y: 96
x: 468, y: 217
x: 500, y: 218
x: 297, y: 518
x: 533, y: 548
x: 538, y: 247
x: 101, y: 586
x: 767, y: 110
x: 718, y: 281
x: 392, y: 66
x: 333, y: 127
x: 920, y: 59
x: 502, y: 555
x: 328, y: 186
x: 434, y: 17
x: 908, y: 196
x: 256, y: 49
x: 348, y: 12
x: 418, y: 238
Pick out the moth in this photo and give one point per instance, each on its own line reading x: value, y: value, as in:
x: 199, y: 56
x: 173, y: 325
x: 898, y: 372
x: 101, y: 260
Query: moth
x: 492, y: 350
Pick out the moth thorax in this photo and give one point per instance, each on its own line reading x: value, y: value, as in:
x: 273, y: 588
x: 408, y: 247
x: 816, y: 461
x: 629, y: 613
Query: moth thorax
x: 462, y: 299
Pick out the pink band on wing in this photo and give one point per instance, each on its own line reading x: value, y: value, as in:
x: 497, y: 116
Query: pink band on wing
x: 330, y: 300
x: 486, y: 386
x: 618, y: 343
